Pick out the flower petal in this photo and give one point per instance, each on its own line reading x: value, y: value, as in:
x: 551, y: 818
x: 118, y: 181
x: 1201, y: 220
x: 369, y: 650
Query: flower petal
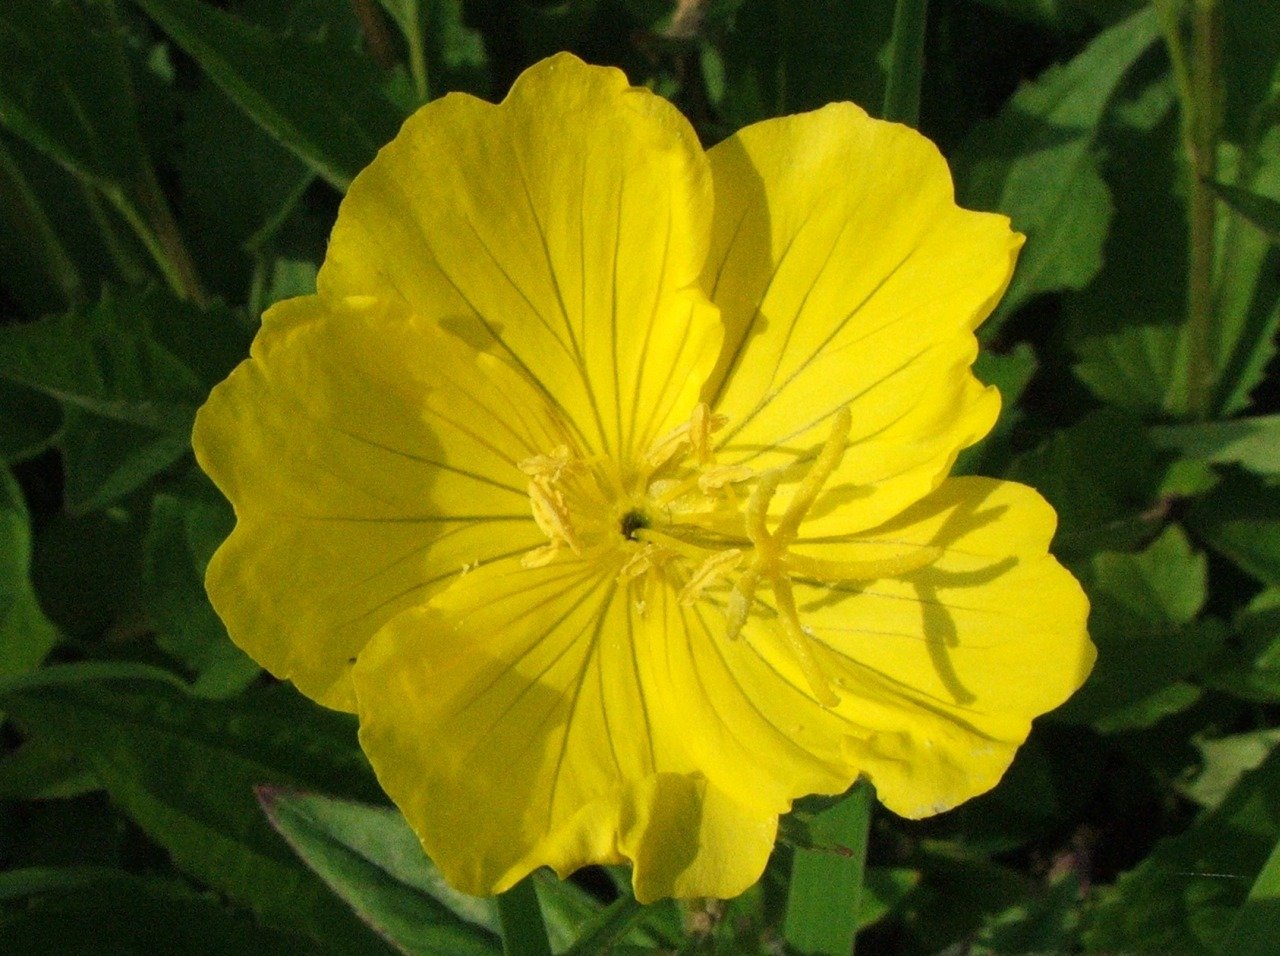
x: 369, y: 457
x: 846, y: 275
x: 939, y: 671
x: 512, y: 723
x: 564, y: 228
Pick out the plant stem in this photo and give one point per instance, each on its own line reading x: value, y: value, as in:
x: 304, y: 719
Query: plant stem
x: 906, y: 62
x: 28, y: 219
x: 825, y: 895
x: 168, y: 236
x: 375, y: 33
x: 523, y: 931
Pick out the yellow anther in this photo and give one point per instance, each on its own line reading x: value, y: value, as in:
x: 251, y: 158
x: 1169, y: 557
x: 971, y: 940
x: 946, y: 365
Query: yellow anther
x: 552, y: 514
x: 549, y: 467
x: 738, y: 606
x: 643, y: 560
x: 716, y: 478
x: 696, y: 433
x: 702, y: 424
x: 708, y: 573
x: 540, y: 557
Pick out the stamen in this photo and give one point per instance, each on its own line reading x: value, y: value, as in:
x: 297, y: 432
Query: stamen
x: 552, y: 514
x: 550, y: 467
x: 828, y: 460
x: 799, y: 643
x: 540, y: 557
x: 647, y: 557
x: 708, y: 573
x: 868, y: 570
x: 713, y: 479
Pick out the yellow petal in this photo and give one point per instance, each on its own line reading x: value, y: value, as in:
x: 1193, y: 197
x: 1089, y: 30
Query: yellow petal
x: 564, y: 229
x: 939, y: 671
x: 515, y: 724
x: 370, y: 458
x: 846, y: 275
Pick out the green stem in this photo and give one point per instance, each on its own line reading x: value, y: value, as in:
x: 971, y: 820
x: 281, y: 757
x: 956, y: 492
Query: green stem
x: 606, y: 928
x: 1202, y: 149
x: 117, y: 245
x: 418, y: 60
x: 28, y: 219
x: 168, y: 236
x: 375, y: 33
x: 825, y: 896
x: 523, y: 931
x: 906, y: 62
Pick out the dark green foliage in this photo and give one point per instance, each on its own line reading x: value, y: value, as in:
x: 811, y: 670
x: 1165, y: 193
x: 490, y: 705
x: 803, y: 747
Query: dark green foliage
x: 170, y: 168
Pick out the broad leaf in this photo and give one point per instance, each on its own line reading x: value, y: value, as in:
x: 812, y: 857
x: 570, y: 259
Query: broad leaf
x: 1037, y: 163
x: 140, y: 358
x: 1241, y: 519
x: 370, y: 858
x: 29, y: 421
x: 1184, y: 896
x: 183, y: 532
x: 319, y: 99
x: 1102, y: 476
x: 99, y: 910
x: 184, y: 770
x: 1251, y: 443
x: 26, y: 635
x: 1143, y: 608
x: 65, y: 88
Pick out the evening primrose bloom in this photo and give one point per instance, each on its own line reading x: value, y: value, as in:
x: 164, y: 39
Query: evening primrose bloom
x: 605, y: 479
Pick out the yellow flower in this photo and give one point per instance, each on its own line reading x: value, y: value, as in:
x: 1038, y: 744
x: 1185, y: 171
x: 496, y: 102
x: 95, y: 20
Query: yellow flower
x: 605, y: 479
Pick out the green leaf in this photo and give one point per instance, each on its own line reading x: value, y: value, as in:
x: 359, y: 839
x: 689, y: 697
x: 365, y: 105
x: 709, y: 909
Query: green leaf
x: 1251, y: 443
x: 1045, y: 923
x: 29, y: 422
x: 99, y: 910
x: 1257, y: 926
x: 1037, y: 163
x: 87, y: 570
x: 1224, y: 760
x: 238, y: 186
x: 1128, y: 326
x: 1010, y: 372
x: 105, y: 460
x: 184, y: 770
x: 1252, y: 669
x: 1184, y: 896
x: 26, y: 635
x: 140, y: 358
x: 319, y: 99
x: 183, y: 533
x: 1241, y: 520
x: 65, y: 88
x: 1143, y: 606
x: 59, y: 676
x: 776, y: 57
x: 1251, y: 58
x: 824, y: 903
x: 1247, y: 281
x: 1262, y: 211
x: 40, y: 769
x: 1102, y: 476
x: 371, y: 859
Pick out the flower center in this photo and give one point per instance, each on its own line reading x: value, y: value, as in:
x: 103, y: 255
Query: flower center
x: 702, y: 527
